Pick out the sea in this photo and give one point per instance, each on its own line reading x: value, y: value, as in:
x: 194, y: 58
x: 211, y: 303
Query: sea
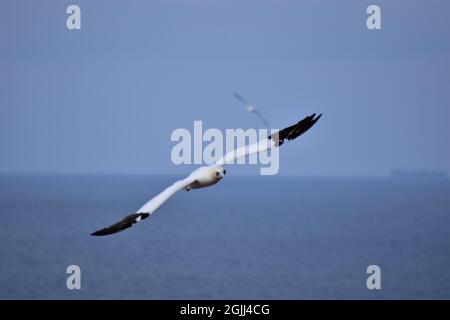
x: 248, y: 237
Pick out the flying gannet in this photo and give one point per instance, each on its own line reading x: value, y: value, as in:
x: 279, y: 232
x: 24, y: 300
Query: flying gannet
x: 209, y: 175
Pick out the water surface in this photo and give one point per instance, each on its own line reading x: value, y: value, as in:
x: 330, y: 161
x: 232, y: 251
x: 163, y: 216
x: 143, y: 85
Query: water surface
x: 245, y: 238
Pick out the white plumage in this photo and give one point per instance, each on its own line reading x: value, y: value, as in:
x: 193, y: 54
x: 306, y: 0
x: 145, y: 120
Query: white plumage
x: 210, y: 175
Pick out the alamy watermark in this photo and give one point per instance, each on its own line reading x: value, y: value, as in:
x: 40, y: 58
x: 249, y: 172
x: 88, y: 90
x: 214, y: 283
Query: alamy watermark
x: 74, y: 279
x: 73, y: 21
x: 374, y: 280
x: 210, y: 146
x: 373, y: 21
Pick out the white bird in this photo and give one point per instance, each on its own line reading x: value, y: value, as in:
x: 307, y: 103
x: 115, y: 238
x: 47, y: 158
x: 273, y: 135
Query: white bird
x: 209, y: 175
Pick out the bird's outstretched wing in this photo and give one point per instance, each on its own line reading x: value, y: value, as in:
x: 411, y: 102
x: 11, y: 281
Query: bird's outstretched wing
x: 274, y: 140
x: 147, y: 209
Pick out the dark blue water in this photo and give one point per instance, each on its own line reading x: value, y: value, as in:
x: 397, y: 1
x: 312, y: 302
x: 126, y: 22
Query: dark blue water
x: 245, y: 238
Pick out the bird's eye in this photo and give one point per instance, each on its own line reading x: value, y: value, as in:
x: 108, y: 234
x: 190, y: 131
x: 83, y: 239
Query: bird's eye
x: 217, y: 173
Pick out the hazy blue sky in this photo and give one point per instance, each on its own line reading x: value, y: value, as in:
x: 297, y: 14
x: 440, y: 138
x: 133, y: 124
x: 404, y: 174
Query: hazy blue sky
x: 107, y: 97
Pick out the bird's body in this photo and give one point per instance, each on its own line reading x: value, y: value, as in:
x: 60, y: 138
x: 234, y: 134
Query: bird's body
x: 206, y: 176
x: 209, y: 175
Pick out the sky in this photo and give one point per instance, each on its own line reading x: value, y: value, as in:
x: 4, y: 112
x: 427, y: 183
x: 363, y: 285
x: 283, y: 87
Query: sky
x: 106, y: 98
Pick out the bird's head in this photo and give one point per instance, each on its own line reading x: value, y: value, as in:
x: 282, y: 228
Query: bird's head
x: 218, y: 172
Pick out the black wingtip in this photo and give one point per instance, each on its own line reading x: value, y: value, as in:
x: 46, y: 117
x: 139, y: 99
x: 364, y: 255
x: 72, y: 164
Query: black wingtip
x: 123, y: 224
x: 296, y: 130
